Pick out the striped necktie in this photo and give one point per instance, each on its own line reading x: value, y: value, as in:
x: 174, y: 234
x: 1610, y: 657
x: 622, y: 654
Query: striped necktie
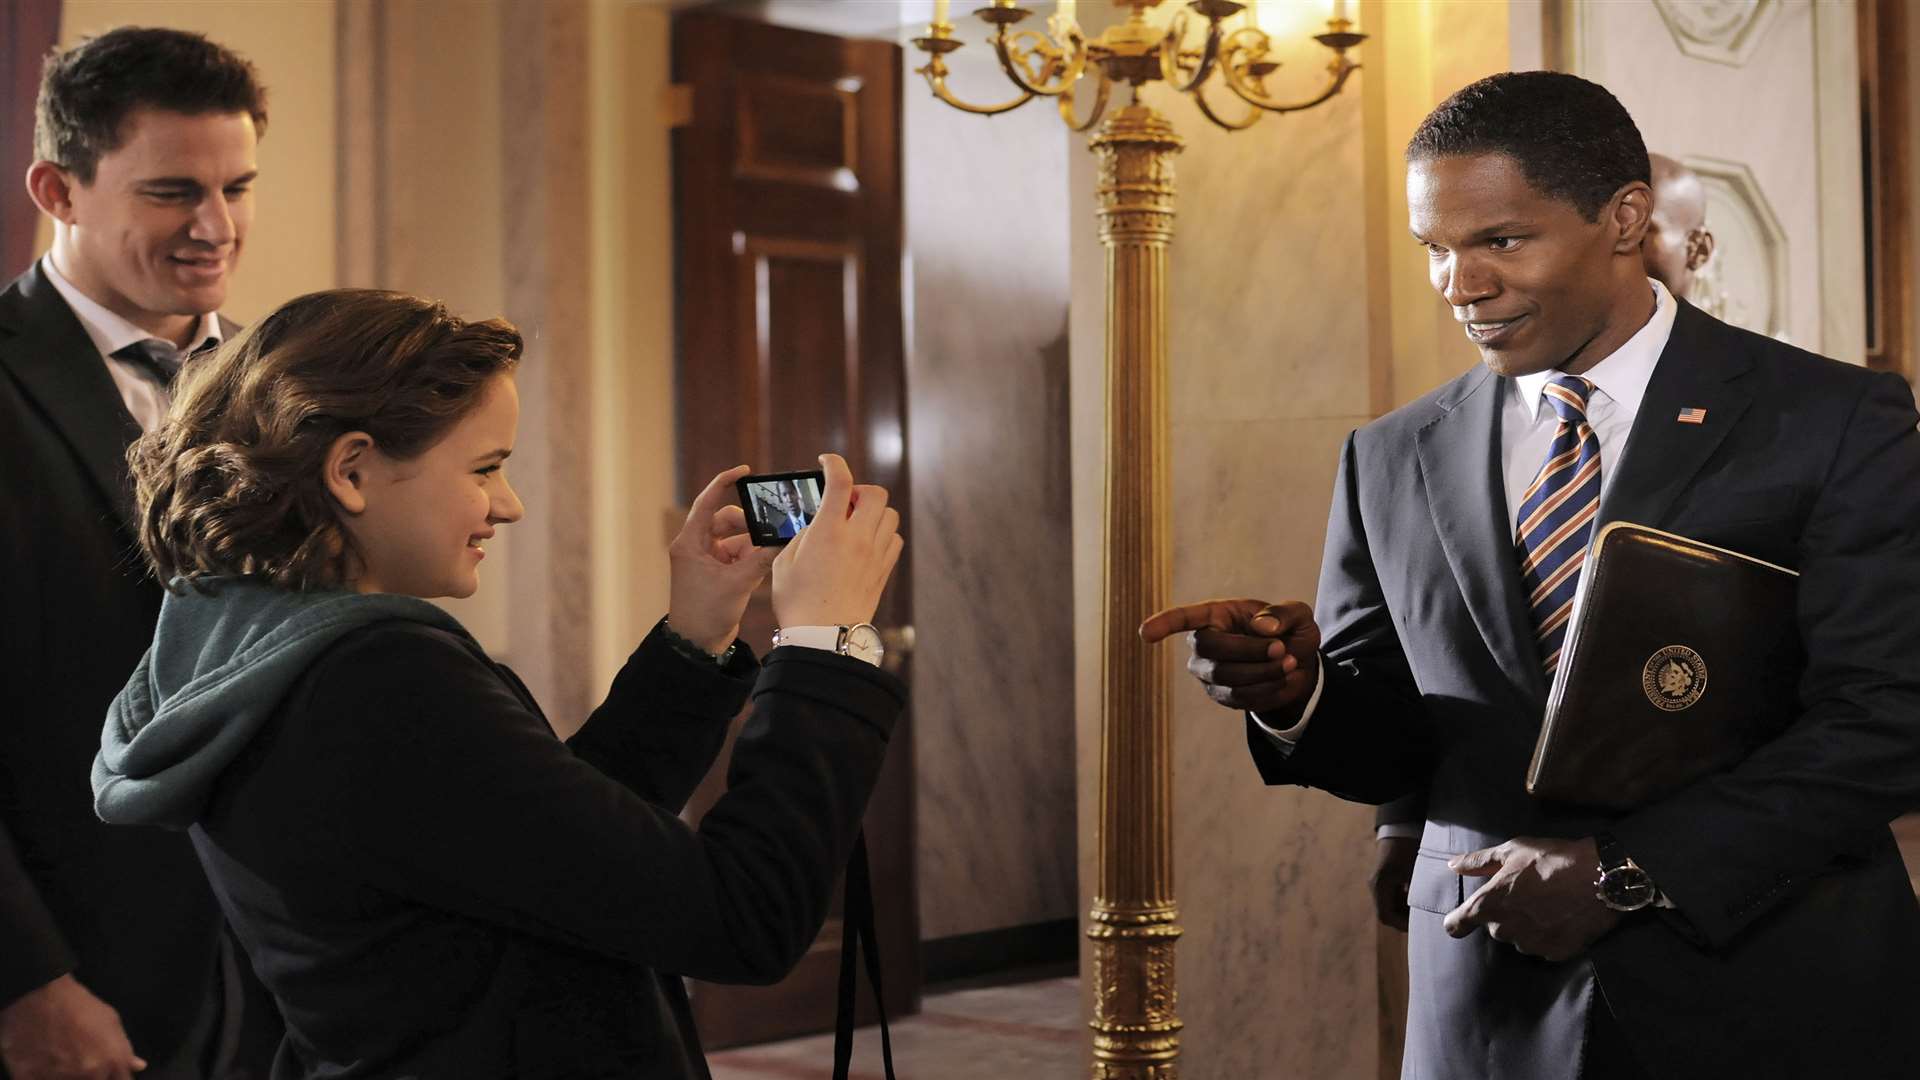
x: 1556, y: 516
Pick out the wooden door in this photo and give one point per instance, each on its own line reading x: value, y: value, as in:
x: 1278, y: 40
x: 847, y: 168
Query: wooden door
x: 28, y: 28
x: 789, y: 343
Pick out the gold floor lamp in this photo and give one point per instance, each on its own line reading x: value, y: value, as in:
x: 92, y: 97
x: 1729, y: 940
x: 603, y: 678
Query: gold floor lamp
x: 1136, y: 1027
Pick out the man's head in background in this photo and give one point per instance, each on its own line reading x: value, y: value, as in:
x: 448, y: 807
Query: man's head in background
x: 1678, y: 243
x: 1530, y: 192
x: 144, y: 140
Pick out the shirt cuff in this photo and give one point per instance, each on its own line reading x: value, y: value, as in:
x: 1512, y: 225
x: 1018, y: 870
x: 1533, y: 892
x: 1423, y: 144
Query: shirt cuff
x: 1401, y: 830
x: 1286, y: 739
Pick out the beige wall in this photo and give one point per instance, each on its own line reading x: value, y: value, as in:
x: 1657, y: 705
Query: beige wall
x: 631, y: 201
x: 1425, y: 50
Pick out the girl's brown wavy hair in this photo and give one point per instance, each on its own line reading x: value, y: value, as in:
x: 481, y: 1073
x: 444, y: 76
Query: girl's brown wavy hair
x: 232, y: 483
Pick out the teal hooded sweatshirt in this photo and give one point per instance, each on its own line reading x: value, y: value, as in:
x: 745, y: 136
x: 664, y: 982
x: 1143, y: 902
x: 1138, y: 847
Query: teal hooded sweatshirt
x: 225, y: 652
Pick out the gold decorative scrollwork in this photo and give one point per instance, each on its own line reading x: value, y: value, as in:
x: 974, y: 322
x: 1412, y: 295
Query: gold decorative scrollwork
x: 1052, y: 63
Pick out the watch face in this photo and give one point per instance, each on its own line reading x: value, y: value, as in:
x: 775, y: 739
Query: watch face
x: 865, y: 639
x: 1627, y: 888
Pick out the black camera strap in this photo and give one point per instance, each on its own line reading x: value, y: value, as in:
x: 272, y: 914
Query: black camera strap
x: 857, y: 933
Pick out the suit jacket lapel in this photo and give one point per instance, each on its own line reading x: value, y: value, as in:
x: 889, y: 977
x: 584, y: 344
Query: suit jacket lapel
x: 1662, y: 454
x: 44, y: 348
x: 1466, y: 494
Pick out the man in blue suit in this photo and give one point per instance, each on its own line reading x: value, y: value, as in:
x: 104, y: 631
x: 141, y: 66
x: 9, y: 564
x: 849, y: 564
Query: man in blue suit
x: 1776, y: 934
x: 788, y: 518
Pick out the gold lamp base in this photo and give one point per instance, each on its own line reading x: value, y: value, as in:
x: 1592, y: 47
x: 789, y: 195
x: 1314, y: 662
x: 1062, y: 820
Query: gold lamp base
x: 1136, y: 1032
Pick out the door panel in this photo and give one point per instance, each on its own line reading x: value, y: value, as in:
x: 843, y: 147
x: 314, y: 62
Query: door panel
x: 788, y: 320
x: 804, y: 346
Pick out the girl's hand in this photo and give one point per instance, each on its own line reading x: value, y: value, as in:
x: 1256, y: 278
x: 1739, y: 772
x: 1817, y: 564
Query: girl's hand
x: 833, y: 573
x: 715, y: 567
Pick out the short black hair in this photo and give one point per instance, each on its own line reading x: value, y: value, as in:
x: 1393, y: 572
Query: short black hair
x: 1571, y: 138
x: 87, y: 91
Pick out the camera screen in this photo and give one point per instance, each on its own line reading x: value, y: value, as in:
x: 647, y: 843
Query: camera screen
x: 779, y: 506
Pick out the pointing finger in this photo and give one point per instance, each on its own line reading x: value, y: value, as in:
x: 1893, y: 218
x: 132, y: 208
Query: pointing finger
x: 1206, y: 615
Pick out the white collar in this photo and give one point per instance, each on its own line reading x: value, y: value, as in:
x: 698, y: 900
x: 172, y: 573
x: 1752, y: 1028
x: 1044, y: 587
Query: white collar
x: 110, y: 332
x: 1624, y: 373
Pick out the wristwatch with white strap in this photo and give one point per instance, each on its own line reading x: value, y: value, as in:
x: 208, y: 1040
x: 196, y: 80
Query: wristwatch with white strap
x: 861, y: 641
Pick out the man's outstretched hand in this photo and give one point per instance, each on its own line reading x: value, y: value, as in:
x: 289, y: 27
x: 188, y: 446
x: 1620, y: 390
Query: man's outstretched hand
x: 1249, y: 655
x: 1539, y: 896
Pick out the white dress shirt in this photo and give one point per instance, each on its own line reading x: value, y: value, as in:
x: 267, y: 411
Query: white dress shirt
x: 1527, y: 428
x: 146, y: 399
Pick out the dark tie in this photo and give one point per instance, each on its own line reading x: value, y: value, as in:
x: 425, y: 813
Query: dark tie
x: 160, y: 360
x: 1556, y: 516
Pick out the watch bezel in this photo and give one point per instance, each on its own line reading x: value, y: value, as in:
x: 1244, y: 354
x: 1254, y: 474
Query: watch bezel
x: 1626, y: 887
x: 872, y: 642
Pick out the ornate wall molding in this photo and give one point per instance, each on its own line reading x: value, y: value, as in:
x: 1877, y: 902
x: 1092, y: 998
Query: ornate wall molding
x: 1746, y: 283
x: 1722, y: 31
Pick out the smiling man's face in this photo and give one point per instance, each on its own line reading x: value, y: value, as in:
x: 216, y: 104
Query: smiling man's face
x: 1535, y: 285
x: 155, y: 235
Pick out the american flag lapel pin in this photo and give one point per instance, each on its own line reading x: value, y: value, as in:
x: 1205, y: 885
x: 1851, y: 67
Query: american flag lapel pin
x: 1692, y: 416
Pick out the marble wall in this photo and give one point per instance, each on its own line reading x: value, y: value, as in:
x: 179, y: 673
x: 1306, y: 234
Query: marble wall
x: 539, y: 189
x: 986, y: 219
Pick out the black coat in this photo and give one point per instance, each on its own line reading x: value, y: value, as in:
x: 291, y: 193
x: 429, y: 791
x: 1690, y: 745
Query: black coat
x: 433, y: 885
x: 1794, y: 948
x: 126, y: 910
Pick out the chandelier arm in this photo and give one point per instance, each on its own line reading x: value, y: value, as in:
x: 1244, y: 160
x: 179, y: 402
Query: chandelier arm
x: 1068, y: 71
x: 1099, y: 105
x: 937, y: 80
x: 1170, y: 56
x: 1261, y: 101
x: 1200, y: 99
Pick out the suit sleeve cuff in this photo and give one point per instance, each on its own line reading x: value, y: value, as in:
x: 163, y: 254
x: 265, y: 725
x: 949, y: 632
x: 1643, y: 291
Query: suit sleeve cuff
x: 1285, y: 739
x: 33, y: 952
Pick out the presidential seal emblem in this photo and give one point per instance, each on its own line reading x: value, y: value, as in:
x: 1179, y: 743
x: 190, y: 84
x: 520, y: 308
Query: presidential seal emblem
x: 1674, y: 678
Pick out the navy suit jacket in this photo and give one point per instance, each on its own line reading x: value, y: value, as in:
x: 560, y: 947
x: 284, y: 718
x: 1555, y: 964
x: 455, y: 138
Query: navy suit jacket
x: 1794, y: 949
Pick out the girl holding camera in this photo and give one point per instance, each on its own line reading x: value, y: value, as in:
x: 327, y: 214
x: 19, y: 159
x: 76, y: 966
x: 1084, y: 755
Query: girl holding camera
x: 429, y: 881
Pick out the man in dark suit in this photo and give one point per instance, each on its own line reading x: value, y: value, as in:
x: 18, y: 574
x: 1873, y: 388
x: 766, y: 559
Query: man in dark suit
x: 1779, y: 936
x: 1676, y: 245
x: 109, y: 937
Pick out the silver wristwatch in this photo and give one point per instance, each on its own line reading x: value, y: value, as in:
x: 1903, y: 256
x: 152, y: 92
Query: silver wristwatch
x: 860, y: 641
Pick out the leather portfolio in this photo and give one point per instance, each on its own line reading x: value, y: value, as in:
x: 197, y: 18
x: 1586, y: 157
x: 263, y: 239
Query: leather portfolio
x: 1681, y: 658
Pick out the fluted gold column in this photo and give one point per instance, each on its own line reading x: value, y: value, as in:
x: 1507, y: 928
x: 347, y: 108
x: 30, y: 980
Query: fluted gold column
x: 1136, y: 1033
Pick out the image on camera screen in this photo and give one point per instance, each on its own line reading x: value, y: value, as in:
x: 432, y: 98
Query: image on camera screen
x: 781, y: 507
